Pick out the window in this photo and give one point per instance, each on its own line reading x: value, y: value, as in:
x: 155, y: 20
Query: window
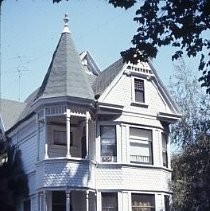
x: 139, y: 90
x: 167, y: 202
x: 164, y: 149
x: 59, y: 137
x: 108, y: 143
x: 143, y: 202
x: 58, y: 200
x: 27, y: 205
x: 140, y: 145
x: 109, y: 202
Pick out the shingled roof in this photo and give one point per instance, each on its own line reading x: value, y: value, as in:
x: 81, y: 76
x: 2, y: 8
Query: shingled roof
x: 66, y: 75
x: 105, y: 78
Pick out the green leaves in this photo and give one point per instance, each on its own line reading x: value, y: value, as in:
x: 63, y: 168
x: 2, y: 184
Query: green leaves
x: 177, y: 23
x: 123, y: 3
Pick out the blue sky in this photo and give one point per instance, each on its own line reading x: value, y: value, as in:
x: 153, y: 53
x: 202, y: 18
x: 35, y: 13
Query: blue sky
x: 31, y: 30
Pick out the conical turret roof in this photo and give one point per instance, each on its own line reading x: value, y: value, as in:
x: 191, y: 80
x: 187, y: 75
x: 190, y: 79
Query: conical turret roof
x: 66, y: 75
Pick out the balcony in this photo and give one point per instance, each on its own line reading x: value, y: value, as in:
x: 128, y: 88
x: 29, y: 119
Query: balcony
x: 65, y: 135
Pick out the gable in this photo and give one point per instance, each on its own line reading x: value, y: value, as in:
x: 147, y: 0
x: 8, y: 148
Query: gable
x: 121, y: 91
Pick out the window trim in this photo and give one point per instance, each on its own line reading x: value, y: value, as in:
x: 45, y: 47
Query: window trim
x: 136, y: 139
x: 110, y: 159
x: 133, y: 100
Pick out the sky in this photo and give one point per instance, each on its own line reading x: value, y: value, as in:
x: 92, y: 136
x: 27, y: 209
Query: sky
x: 30, y: 31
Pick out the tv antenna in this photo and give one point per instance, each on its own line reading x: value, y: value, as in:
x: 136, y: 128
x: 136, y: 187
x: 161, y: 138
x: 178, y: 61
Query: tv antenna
x: 20, y: 73
x: 19, y: 70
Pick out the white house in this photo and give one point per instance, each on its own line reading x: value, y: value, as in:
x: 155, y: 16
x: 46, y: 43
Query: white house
x: 94, y: 140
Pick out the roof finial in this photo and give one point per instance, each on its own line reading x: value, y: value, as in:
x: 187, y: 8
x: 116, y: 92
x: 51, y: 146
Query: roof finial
x: 66, y: 20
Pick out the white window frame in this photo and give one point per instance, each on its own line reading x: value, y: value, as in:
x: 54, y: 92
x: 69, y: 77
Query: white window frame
x: 133, y: 100
x: 105, y: 159
x: 140, y: 141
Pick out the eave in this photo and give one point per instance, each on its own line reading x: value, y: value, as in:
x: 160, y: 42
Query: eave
x: 107, y: 108
x: 167, y: 117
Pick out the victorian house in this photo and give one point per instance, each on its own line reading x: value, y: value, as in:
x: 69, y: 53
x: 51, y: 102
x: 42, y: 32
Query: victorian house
x: 94, y: 140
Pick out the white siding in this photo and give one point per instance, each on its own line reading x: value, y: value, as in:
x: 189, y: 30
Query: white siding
x: 121, y: 94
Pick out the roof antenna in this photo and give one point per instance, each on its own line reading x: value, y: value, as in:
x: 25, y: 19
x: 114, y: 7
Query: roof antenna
x: 66, y: 28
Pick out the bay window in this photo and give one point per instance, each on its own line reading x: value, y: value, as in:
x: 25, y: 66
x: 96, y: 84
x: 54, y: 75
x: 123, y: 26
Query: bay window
x: 141, y: 145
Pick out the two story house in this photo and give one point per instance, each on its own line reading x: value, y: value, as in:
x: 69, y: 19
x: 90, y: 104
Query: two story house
x: 92, y: 140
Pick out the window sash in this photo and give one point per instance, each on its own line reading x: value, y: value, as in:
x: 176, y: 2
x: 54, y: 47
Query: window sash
x: 139, y: 90
x: 109, y: 202
x: 140, y: 145
x: 108, y: 143
x: 165, y: 158
x: 143, y: 202
x: 164, y: 150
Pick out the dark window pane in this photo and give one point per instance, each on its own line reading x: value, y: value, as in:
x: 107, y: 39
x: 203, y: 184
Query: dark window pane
x: 58, y: 201
x: 139, y: 90
x: 164, y: 149
x: 27, y: 205
x: 109, y: 202
x: 139, y: 96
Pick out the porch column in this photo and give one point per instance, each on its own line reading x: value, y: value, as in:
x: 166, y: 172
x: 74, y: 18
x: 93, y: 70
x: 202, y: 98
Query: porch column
x: 87, y: 134
x: 87, y: 200
x: 68, y: 133
x: 45, y: 201
x: 68, y: 200
x: 45, y: 137
x: 41, y: 201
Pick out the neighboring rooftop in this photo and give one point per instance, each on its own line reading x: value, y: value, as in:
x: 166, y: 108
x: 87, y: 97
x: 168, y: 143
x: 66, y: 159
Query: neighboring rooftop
x: 107, y: 76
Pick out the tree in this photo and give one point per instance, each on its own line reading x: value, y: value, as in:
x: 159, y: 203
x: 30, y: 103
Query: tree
x: 13, y: 181
x: 191, y: 177
x: 191, y: 166
x: 194, y: 106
